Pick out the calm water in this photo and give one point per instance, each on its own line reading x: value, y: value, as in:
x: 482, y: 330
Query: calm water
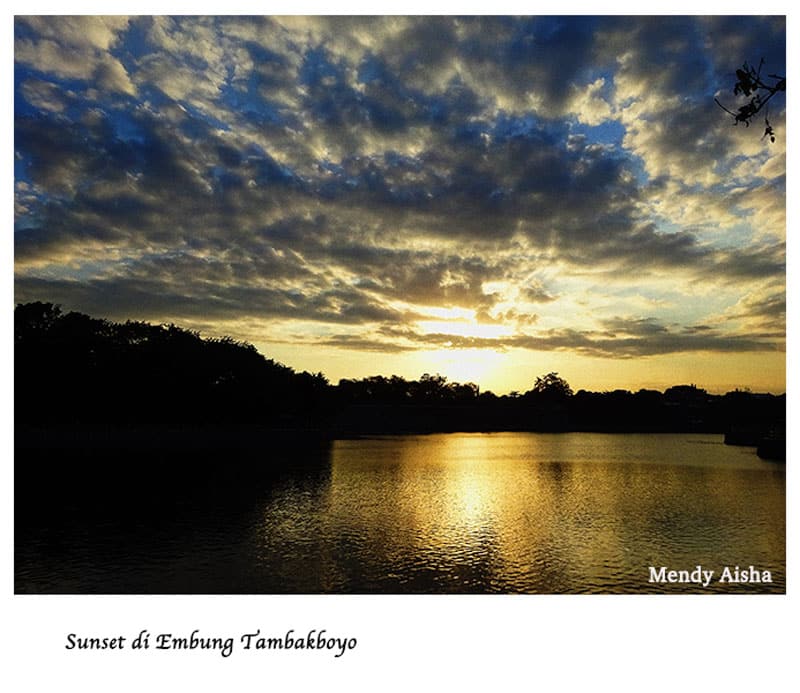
x: 505, y: 512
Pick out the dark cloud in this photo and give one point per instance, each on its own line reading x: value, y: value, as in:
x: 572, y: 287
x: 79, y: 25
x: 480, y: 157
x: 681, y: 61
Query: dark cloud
x: 361, y: 171
x: 646, y: 338
x: 536, y: 293
x: 764, y: 312
x: 638, y: 327
x: 145, y: 297
x: 766, y: 262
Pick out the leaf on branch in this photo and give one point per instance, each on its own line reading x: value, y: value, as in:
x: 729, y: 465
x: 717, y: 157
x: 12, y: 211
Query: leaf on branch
x: 750, y: 84
x: 768, y: 131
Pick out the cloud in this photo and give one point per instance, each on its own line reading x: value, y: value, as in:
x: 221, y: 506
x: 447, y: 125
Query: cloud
x: 353, y: 175
x: 45, y: 96
x: 74, y: 47
x: 588, y: 104
x: 641, y: 339
x: 667, y: 69
x: 80, y: 31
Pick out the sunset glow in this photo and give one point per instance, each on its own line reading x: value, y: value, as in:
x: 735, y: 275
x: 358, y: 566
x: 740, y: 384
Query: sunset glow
x: 489, y: 198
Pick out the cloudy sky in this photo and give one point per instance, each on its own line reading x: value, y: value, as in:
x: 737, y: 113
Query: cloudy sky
x: 488, y: 198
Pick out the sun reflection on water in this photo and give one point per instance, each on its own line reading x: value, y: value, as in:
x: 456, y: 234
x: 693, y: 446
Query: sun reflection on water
x: 519, y: 513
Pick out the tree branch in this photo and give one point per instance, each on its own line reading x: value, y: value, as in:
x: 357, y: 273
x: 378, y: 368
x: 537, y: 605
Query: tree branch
x: 749, y: 83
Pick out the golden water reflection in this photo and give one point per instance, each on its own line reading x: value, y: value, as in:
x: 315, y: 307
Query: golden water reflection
x: 545, y: 513
x: 506, y: 512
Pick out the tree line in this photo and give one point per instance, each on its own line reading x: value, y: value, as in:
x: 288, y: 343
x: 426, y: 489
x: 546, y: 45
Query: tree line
x: 72, y: 370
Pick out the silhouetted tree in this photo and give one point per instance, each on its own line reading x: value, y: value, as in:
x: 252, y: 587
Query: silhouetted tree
x: 550, y: 386
x: 33, y: 320
x: 685, y: 393
x: 74, y: 369
x: 750, y: 84
x: 431, y: 388
x: 463, y: 392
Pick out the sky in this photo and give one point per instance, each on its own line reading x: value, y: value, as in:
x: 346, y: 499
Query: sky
x: 488, y: 198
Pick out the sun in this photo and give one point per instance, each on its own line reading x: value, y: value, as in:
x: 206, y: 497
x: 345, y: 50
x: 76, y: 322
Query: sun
x: 458, y: 360
x: 462, y: 365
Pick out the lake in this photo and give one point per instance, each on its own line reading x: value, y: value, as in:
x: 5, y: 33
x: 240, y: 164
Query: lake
x: 442, y: 513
